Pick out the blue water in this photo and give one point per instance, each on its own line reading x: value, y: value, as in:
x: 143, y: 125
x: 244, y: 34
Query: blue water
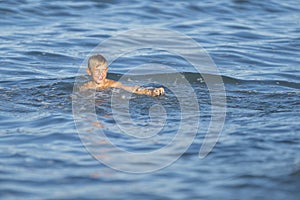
x: 255, y: 46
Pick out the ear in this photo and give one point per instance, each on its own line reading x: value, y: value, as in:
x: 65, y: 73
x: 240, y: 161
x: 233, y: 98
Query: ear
x: 88, y: 71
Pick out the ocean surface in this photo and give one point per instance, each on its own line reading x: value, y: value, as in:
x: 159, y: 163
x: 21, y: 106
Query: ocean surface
x: 44, y: 46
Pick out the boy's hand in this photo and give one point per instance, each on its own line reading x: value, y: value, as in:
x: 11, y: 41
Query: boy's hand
x: 158, y: 91
x: 151, y: 92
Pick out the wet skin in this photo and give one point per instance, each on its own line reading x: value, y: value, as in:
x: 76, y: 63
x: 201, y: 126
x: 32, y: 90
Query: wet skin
x: 100, y: 82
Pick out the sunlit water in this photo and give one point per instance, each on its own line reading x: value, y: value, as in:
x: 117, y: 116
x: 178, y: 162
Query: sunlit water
x: 256, y: 48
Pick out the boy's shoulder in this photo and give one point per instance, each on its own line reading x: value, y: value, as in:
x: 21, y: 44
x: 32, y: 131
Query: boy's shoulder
x: 108, y: 84
x: 87, y: 85
x: 112, y: 83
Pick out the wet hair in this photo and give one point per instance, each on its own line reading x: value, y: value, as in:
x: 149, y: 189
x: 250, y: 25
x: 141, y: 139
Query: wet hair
x: 96, y: 60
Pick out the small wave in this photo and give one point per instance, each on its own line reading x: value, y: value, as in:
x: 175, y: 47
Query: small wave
x: 199, y: 78
x: 42, y: 55
x: 34, y: 95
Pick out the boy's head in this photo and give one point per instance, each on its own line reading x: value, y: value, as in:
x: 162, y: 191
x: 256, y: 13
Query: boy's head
x: 97, y: 68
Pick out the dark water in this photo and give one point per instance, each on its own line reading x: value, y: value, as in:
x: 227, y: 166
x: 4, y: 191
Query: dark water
x: 256, y: 48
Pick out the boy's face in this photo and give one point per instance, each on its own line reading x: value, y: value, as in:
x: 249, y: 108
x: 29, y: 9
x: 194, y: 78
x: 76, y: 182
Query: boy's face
x: 98, y: 73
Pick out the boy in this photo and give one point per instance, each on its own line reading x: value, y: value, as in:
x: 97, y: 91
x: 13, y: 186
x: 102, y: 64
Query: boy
x: 97, y: 69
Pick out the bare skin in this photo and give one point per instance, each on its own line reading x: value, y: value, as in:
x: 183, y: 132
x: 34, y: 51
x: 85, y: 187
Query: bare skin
x: 98, y: 72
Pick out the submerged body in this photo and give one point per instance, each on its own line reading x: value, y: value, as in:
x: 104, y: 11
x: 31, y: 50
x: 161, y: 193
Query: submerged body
x: 97, y: 69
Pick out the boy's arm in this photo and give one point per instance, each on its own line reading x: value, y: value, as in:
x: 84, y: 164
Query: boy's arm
x: 140, y: 90
x: 151, y: 92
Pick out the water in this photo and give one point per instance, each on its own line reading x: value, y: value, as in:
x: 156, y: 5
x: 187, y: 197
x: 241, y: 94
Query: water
x: 256, y: 48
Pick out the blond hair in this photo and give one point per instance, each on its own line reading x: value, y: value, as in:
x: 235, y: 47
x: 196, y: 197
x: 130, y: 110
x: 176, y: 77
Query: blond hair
x: 96, y: 60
